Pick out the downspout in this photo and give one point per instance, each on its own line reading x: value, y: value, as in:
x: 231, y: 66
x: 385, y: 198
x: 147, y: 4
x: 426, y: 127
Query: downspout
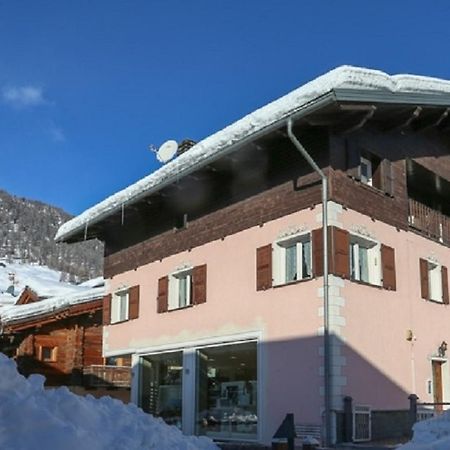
x: 326, y: 321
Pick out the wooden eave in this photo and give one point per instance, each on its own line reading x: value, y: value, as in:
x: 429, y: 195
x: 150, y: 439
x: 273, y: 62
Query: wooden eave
x: 342, y: 112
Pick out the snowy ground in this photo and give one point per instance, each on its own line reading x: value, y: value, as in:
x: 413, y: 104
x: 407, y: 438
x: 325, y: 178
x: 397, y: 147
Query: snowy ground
x: 433, y: 434
x: 33, y: 418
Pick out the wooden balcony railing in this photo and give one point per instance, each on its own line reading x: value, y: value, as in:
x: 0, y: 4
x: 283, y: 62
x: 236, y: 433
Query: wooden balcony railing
x: 106, y: 376
x: 428, y: 221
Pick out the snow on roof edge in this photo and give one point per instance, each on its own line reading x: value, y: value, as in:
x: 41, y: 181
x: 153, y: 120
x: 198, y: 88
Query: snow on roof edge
x: 341, y: 77
x: 16, y: 313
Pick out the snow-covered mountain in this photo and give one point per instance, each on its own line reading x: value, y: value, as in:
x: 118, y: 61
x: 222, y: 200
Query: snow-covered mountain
x: 27, y: 230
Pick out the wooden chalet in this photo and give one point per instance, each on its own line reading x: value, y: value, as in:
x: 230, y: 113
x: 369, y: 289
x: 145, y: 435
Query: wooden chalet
x: 61, y: 338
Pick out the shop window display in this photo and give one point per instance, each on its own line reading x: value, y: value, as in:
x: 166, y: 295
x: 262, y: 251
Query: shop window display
x: 227, y: 391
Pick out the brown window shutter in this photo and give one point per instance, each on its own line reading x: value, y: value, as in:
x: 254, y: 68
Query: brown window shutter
x: 199, y: 284
x: 353, y: 161
x: 264, y: 267
x: 163, y: 295
x: 317, y: 252
x: 107, y: 309
x: 133, y: 305
x: 444, y: 273
x: 388, y: 267
x: 424, y: 279
x: 387, y: 174
x: 339, y: 252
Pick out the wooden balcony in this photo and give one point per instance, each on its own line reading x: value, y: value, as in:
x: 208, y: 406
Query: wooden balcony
x: 429, y: 222
x: 107, y: 376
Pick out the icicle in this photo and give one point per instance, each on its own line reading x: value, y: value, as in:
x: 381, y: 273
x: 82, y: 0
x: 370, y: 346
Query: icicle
x: 86, y: 229
x: 123, y: 213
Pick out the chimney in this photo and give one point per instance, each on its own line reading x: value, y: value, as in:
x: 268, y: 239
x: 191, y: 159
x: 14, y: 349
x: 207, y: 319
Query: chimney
x: 185, y: 145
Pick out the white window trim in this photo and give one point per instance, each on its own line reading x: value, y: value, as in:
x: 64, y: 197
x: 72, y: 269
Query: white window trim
x: 369, y: 178
x: 279, y: 257
x: 435, y: 281
x: 373, y: 259
x: 116, y: 306
x: 174, y: 288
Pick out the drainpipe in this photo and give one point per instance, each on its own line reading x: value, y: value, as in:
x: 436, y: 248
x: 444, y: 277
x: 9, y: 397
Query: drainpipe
x: 326, y: 322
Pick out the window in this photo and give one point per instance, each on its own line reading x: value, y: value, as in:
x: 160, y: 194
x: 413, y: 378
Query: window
x: 366, y: 171
x: 210, y: 390
x: 292, y: 259
x: 180, y: 289
x: 364, y: 260
x: 434, y: 281
x: 119, y: 306
x: 48, y: 354
x: 226, y: 388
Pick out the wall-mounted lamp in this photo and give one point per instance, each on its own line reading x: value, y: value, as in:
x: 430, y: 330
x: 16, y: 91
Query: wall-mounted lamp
x: 442, y: 349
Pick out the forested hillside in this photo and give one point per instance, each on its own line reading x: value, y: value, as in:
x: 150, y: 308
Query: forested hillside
x: 27, y: 229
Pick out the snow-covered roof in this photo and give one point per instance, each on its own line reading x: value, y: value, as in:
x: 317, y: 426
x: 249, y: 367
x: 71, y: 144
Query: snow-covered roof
x: 344, y: 77
x: 41, y: 279
x: 93, y: 283
x: 9, y: 314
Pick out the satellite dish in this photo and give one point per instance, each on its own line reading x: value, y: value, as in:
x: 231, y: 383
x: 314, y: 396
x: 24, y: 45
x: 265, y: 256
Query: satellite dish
x: 167, y: 151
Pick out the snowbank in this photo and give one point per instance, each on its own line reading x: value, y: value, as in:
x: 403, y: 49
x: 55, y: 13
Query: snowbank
x: 433, y: 434
x: 33, y: 418
x: 342, y: 77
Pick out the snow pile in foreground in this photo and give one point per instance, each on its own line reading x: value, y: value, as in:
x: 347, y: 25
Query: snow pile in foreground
x: 433, y: 434
x: 56, y: 419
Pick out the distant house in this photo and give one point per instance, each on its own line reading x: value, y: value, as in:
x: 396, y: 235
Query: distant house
x: 61, y: 338
x: 217, y: 275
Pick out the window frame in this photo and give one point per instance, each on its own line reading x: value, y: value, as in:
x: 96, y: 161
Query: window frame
x: 435, y: 291
x: 53, y: 351
x: 279, y: 258
x: 174, y: 300
x: 374, y: 263
x: 117, y: 300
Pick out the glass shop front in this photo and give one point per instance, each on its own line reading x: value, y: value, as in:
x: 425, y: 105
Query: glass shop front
x: 210, y: 390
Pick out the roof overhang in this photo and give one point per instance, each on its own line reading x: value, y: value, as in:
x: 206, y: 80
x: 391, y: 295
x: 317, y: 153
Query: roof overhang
x: 342, y: 85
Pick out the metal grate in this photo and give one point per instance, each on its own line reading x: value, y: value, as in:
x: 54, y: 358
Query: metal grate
x: 362, y: 423
x: 304, y: 431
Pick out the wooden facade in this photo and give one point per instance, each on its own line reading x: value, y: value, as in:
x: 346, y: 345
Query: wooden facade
x: 289, y: 186
x: 66, y: 347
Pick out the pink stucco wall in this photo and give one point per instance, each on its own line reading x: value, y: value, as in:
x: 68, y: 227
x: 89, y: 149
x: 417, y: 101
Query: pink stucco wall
x: 287, y: 317
x: 377, y: 322
x: 380, y: 367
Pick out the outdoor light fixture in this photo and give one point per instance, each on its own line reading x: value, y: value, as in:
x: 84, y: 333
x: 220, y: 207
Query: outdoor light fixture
x: 442, y: 349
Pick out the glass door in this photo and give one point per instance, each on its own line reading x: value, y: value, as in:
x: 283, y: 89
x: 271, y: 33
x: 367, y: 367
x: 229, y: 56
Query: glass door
x: 226, y: 391
x: 161, y: 386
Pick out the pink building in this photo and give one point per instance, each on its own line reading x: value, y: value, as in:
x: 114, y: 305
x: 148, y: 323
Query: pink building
x: 215, y: 265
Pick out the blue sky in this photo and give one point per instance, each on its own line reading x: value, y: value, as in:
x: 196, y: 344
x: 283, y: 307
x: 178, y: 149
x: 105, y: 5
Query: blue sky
x: 86, y: 86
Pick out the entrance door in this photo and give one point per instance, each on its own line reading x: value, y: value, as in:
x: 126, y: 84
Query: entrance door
x: 437, y: 384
